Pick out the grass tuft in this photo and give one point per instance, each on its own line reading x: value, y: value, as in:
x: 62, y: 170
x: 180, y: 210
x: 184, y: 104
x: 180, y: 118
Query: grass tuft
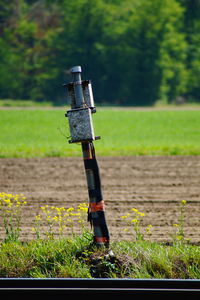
x: 71, y: 258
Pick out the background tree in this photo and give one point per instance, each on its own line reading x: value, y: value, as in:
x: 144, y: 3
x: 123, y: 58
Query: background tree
x: 135, y: 51
x: 192, y: 36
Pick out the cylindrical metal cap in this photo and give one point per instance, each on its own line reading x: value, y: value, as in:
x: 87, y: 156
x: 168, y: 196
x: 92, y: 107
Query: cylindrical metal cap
x: 76, y: 69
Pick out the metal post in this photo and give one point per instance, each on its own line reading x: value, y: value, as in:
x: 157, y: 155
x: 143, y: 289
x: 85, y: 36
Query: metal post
x: 96, y: 213
x: 76, y: 74
x: 81, y: 129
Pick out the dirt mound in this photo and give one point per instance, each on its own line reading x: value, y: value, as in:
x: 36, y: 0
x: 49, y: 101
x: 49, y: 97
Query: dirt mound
x: 153, y: 185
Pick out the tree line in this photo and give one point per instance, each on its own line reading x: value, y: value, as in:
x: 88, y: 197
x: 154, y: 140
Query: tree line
x: 135, y: 51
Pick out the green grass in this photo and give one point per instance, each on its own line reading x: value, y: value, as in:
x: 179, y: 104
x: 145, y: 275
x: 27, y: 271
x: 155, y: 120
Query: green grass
x: 23, y: 103
x: 75, y: 258
x: 40, y: 133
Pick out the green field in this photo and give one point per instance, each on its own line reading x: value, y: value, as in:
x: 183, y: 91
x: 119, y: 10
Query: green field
x: 40, y: 133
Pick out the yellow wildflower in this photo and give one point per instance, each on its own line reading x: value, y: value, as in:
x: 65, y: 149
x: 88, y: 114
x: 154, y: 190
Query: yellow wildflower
x: 183, y: 202
x: 7, y: 201
x: 148, y: 228
x: 70, y: 209
x: 141, y: 214
x: 134, y: 221
x: 38, y: 218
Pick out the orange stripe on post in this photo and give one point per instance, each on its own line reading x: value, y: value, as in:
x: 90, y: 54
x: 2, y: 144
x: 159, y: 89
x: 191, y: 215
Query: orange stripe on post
x: 96, y: 206
x: 88, y: 154
x: 102, y: 239
x: 87, y: 151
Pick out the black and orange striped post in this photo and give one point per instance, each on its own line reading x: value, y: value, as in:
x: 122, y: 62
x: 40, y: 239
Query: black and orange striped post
x: 81, y: 130
x: 96, y: 214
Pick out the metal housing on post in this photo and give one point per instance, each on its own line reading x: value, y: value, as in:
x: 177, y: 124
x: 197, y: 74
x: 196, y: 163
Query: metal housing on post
x: 80, y: 96
x: 80, y: 124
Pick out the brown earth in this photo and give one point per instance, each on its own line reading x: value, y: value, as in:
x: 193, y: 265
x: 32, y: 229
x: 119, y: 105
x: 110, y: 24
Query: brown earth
x: 154, y: 185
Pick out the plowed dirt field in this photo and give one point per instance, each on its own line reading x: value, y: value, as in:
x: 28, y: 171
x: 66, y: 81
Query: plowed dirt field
x: 154, y: 185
